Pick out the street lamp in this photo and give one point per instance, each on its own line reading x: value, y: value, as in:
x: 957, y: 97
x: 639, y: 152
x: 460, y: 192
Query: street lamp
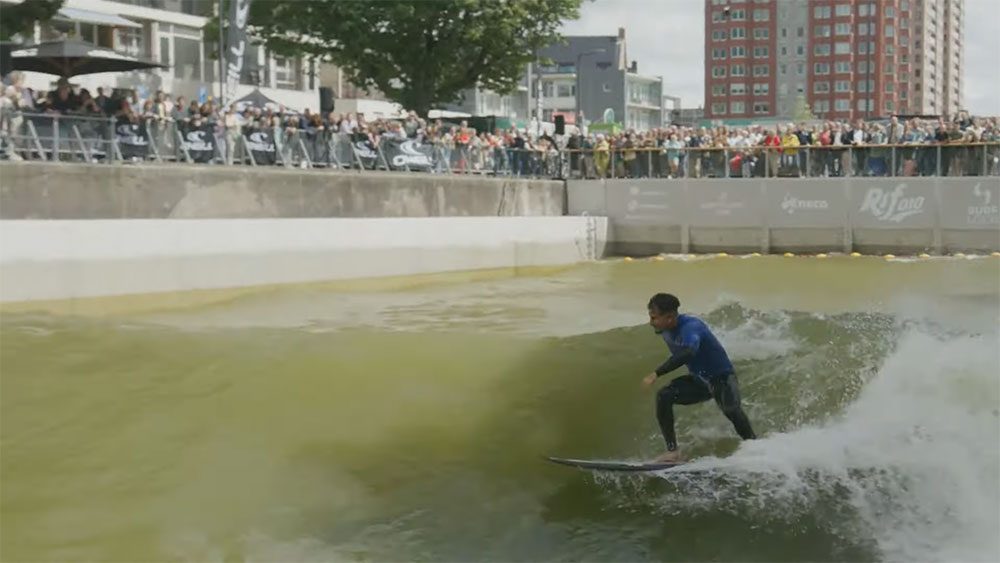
x: 579, y: 97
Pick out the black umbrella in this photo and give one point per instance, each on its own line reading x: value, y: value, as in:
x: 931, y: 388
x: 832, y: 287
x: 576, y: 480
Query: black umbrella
x: 71, y: 57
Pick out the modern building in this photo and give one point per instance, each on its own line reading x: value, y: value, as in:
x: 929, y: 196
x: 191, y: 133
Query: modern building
x: 607, y: 81
x: 844, y: 59
x: 170, y: 32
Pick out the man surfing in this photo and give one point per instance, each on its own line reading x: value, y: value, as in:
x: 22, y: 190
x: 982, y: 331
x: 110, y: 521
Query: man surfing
x: 711, y: 374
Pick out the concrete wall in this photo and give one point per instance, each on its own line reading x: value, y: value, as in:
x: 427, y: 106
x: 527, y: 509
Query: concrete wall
x: 57, y: 260
x: 897, y: 215
x: 38, y: 190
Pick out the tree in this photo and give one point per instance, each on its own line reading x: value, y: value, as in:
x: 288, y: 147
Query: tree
x: 419, y: 53
x: 21, y: 18
x: 802, y: 111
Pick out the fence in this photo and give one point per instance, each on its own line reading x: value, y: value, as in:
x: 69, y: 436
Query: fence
x: 54, y: 137
x: 88, y: 139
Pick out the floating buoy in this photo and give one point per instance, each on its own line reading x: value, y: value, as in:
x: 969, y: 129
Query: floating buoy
x: 722, y: 255
x: 658, y: 258
x: 925, y: 256
x: 958, y: 255
x: 755, y: 254
x: 627, y: 259
x: 995, y: 254
x: 889, y: 256
x: 855, y: 254
x: 821, y: 255
x: 788, y: 255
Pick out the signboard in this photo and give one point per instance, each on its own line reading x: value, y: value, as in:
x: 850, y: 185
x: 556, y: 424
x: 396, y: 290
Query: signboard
x: 805, y: 203
x: 895, y: 203
x: 661, y: 202
x: 724, y: 203
x: 970, y: 203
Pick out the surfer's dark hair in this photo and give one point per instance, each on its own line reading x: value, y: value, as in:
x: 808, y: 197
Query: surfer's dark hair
x: 664, y: 303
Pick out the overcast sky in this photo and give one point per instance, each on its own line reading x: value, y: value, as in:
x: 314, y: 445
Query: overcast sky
x: 666, y: 38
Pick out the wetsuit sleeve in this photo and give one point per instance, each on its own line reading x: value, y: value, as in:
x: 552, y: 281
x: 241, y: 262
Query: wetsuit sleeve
x: 690, y: 339
x: 677, y: 360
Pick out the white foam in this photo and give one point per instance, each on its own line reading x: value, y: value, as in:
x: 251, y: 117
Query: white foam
x: 915, y: 459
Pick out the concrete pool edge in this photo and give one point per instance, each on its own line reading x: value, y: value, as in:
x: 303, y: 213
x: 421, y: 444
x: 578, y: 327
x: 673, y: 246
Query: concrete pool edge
x: 64, y: 265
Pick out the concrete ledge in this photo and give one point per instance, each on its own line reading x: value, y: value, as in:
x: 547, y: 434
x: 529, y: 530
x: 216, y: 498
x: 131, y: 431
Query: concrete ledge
x: 47, y: 190
x: 882, y: 215
x: 48, y: 260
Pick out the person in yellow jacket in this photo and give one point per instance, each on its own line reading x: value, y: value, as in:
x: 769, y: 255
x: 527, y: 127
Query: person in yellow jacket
x: 602, y: 156
x: 789, y: 144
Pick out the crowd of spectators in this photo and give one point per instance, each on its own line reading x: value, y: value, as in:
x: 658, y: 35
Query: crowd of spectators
x: 867, y: 148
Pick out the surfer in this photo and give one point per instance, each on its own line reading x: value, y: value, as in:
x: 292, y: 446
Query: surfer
x: 711, y: 374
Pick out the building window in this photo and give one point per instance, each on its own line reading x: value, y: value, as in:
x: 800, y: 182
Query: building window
x: 890, y: 31
x: 738, y: 33
x: 842, y: 48
x: 738, y: 88
x: 716, y: 17
x: 840, y: 104
x: 737, y: 107
x: 800, y: 50
x: 842, y: 29
x: 842, y: 86
x: 718, y: 72
x: 800, y: 31
x: 762, y: 108
x: 863, y: 106
x: 738, y: 70
x: 863, y: 28
x: 761, y: 15
x: 738, y: 15
x: 761, y: 33
x: 783, y: 70
x: 284, y: 72
x: 842, y: 67
x: 784, y: 51
x: 719, y: 109
x: 737, y: 52
x: 821, y: 31
x: 718, y: 54
x: 784, y: 32
x: 719, y: 35
x: 761, y: 70
x: 761, y: 52
x: 800, y: 69
x: 761, y: 89
x: 821, y: 12
x: 821, y: 49
x: 889, y: 87
x: 843, y: 10
x: 821, y: 68
x: 821, y: 106
x: 718, y: 90
x: 866, y: 86
x: 863, y: 67
x: 821, y: 87
x: 890, y: 12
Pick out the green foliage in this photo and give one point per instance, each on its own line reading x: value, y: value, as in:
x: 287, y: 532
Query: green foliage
x: 419, y: 53
x: 802, y: 111
x: 21, y: 18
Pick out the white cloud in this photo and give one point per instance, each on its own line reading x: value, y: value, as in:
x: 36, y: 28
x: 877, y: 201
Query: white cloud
x: 666, y: 38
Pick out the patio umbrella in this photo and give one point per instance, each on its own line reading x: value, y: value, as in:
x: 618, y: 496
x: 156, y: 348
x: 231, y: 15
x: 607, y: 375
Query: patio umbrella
x: 256, y: 99
x: 72, y: 57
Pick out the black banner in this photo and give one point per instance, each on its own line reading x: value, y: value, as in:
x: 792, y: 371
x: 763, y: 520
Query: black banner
x: 364, y: 150
x: 236, y: 44
x: 132, y: 139
x: 261, y: 145
x: 199, y: 141
x: 407, y: 154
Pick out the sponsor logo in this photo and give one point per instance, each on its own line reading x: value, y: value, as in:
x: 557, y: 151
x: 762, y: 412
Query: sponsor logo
x: 364, y: 150
x: 892, y: 206
x: 260, y: 141
x: 791, y: 204
x: 197, y: 141
x: 722, y: 207
x: 129, y: 134
x: 983, y: 213
x: 410, y: 155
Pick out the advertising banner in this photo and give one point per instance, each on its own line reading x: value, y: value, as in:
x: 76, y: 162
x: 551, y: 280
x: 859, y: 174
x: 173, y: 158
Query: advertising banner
x: 805, y: 203
x: 725, y: 203
x: 970, y: 203
x: 893, y: 204
x: 659, y: 202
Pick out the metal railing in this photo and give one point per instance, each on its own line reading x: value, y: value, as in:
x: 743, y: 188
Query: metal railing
x: 80, y: 138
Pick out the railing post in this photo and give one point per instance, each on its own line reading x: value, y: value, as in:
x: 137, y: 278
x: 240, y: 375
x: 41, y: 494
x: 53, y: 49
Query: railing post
x: 55, y: 138
x: 938, y: 171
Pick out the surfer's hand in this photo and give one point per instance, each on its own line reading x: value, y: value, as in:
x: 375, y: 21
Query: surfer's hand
x: 649, y: 379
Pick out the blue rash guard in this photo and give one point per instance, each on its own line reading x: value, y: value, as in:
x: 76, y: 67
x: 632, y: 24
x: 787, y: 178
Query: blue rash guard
x: 692, y: 342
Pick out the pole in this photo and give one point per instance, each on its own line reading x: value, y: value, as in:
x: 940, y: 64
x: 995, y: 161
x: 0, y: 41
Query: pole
x: 222, y: 57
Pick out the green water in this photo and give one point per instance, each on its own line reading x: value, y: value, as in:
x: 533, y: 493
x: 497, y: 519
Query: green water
x: 409, y: 423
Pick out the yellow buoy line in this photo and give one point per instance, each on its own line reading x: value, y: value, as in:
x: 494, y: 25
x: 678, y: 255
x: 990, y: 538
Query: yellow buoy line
x: 820, y: 255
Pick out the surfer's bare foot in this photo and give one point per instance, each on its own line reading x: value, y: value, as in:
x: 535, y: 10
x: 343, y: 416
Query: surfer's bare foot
x: 674, y: 455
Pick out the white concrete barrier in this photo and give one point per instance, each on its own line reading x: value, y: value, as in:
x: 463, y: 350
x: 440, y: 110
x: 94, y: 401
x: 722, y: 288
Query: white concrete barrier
x: 55, y: 259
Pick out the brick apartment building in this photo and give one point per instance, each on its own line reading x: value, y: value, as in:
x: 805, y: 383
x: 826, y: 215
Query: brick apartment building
x: 846, y: 59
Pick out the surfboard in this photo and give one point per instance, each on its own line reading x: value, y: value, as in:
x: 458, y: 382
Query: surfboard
x: 610, y: 465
